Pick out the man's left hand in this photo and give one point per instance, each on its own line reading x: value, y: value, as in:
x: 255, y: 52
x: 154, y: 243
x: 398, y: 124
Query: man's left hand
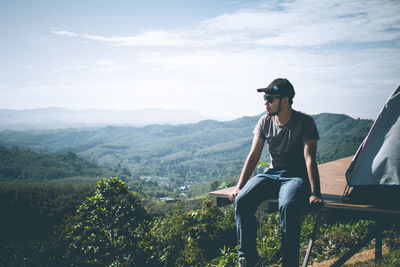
x: 315, y: 202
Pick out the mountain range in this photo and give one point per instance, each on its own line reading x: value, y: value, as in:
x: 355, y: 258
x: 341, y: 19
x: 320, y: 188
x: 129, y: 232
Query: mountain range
x: 57, y: 118
x: 201, y: 151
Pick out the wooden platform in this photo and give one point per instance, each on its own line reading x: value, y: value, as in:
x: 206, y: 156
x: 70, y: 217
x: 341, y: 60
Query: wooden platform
x: 332, y: 177
x: 333, y: 183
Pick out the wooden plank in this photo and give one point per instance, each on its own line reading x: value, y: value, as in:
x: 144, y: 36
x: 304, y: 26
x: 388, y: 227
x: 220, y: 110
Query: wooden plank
x: 333, y: 184
x: 332, y: 178
x: 222, y: 192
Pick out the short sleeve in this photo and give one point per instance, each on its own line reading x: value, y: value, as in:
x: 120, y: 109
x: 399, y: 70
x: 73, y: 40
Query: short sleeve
x: 259, y: 130
x: 310, y: 131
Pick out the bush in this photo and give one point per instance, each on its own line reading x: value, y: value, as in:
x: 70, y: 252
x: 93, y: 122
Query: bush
x: 103, y: 231
x: 192, y: 238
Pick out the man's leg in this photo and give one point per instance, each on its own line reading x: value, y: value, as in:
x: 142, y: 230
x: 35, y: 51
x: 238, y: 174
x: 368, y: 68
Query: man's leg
x: 291, y: 202
x: 256, y: 190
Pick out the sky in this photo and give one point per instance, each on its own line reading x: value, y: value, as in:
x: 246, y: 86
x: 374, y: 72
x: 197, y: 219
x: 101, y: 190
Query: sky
x: 207, y: 56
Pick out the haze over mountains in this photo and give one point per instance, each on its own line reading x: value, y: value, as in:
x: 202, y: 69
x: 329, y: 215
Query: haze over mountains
x: 200, y: 151
x: 58, y: 118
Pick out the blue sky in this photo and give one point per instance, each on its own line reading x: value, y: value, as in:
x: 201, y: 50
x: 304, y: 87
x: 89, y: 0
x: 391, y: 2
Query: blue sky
x: 207, y: 56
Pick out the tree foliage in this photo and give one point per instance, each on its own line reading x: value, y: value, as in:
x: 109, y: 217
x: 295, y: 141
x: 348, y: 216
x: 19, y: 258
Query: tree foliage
x: 103, y: 230
x: 192, y: 238
x: 110, y: 227
x: 30, y: 211
x: 27, y: 165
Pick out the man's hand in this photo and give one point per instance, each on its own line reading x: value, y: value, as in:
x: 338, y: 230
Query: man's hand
x: 233, y: 194
x: 315, y: 202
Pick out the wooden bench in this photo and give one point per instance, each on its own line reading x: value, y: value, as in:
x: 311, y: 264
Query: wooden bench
x: 333, y: 184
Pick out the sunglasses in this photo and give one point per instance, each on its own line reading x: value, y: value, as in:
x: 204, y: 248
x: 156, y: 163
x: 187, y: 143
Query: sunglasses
x: 270, y: 98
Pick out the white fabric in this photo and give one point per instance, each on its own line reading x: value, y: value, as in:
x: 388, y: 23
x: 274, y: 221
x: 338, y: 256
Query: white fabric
x: 378, y: 160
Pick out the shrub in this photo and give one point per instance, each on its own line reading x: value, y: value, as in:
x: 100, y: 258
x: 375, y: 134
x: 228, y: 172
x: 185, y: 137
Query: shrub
x: 103, y: 232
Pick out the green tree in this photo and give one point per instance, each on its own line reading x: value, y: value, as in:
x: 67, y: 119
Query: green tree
x: 192, y: 238
x: 103, y: 231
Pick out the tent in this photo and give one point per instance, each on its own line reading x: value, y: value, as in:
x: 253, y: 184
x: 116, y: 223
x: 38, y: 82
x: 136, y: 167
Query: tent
x: 374, y: 173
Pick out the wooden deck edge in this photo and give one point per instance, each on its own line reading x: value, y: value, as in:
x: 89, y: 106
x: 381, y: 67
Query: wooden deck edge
x: 331, y: 202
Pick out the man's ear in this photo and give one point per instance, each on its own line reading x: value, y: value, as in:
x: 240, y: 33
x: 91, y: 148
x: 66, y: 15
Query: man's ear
x: 285, y: 100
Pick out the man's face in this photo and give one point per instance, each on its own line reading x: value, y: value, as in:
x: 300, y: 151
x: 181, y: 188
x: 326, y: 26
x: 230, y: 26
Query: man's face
x: 272, y: 104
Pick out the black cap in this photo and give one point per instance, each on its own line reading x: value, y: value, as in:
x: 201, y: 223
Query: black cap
x: 281, y: 87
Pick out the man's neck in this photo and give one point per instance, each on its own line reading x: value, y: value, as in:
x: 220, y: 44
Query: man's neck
x: 284, y: 116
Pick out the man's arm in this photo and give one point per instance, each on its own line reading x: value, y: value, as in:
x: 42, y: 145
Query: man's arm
x: 251, y: 162
x: 310, y: 151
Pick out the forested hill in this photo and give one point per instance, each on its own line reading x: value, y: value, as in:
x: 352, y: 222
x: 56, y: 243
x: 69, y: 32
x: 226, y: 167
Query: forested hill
x: 188, y: 152
x: 27, y: 165
x: 340, y: 135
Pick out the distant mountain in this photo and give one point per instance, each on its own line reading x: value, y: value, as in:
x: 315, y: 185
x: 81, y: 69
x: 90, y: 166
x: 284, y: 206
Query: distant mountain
x: 188, y: 152
x: 57, y: 118
x: 27, y: 165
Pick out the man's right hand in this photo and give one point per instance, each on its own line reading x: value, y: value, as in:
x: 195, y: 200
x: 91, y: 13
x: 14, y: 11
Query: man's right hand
x: 233, y: 194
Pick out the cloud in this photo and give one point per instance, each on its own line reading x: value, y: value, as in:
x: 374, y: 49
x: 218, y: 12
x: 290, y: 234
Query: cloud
x: 338, y: 54
x: 224, y: 82
x: 108, y: 66
x: 105, y: 63
x: 65, y: 33
x: 68, y: 68
x: 326, y: 80
x: 294, y: 24
x: 149, y: 39
x: 4, y: 86
x: 100, y: 65
x: 312, y: 23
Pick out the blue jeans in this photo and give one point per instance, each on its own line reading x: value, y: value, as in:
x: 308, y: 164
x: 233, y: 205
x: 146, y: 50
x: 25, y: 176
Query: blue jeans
x: 292, y: 196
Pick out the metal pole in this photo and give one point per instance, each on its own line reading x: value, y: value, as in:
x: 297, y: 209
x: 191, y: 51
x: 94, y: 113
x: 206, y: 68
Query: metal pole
x: 312, y: 239
x: 354, y: 250
x: 378, y: 240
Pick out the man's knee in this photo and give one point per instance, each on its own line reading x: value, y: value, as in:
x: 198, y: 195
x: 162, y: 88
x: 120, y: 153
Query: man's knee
x: 244, y: 204
x: 298, y: 182
x: 240, y: 203
x: 292, y: 198
x: 294, y: 190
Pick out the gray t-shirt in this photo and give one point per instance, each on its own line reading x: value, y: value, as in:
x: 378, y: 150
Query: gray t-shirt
x: 286, y: 142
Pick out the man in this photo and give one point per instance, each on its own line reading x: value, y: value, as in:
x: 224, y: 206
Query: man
x: 292, y: 176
